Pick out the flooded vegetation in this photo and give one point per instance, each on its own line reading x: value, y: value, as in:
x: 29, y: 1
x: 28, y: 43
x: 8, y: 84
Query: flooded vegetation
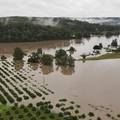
x: 57, y: 78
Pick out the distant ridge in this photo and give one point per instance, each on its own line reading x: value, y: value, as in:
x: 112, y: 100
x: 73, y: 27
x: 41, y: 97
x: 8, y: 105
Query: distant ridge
x: 102, y: 20
x: 29, y: 29
x: 53, y: 21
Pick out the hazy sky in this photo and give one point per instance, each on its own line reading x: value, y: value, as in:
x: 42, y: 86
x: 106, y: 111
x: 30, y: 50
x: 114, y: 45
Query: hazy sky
x: 67, y: 8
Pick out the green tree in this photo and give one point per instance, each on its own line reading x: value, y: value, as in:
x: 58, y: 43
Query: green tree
x: 47, y: 59
x: 71, y: 50
x: 18, y: 54
x: 60, y: 53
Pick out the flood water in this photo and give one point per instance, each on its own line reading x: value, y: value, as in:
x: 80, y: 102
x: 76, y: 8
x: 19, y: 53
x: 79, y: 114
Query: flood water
x: 82, y: 46
x: 95, y: 82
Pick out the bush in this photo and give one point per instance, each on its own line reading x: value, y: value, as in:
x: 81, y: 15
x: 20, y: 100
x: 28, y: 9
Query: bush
x: 19, y: 99
x: 76, y: 111
x: 30, y: 105
x: 91, y: 114
x: 3, y: 57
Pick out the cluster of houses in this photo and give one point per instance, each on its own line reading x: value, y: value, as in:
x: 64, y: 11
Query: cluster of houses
x: 113, y: 47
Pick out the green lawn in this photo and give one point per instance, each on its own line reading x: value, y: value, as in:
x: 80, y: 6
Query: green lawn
x: 105, y: 56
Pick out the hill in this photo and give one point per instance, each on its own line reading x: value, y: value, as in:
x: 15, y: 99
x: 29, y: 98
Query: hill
x: 28, y: 29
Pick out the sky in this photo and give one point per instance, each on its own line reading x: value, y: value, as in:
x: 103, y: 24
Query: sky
x: 60, y: 8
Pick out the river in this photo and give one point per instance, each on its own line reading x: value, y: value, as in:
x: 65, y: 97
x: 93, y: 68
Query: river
x: 92, y: 82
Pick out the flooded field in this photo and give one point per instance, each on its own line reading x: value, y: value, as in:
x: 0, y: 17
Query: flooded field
x: 93, y: 84
x: 81, y: 45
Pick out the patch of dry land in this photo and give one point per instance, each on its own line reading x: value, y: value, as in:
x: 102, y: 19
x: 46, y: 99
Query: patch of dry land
x: 105, y: 56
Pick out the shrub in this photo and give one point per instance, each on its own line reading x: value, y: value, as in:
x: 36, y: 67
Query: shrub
x: 30, y: 105
x: 3, y: 57
x: 91, y: 114
x: 19, y: 99
x: 118, y: 115
x: 50, y: 106
x: 76, y: 111
x: 83, y: 116
x: 98, y: 118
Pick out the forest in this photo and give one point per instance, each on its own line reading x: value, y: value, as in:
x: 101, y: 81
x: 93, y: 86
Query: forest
x: 23, y: 30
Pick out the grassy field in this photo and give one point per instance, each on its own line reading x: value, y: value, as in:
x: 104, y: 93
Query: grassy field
x: 105, y: 56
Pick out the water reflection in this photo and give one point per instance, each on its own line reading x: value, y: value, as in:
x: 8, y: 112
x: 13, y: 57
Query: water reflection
x: 34, y: 66
x: 78, y: 41
x: 47, y: 69
x: 67, y: 70
x: 83, y: 60
x: 44, y: 83
x: 18, y: 65
x: 81, y: 45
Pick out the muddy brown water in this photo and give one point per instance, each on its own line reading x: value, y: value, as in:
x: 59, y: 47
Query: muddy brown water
x: 95, y: 82
x: 83, y: 46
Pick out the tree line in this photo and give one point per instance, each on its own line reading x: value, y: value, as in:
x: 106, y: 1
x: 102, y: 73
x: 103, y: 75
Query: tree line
x: 66, y: 29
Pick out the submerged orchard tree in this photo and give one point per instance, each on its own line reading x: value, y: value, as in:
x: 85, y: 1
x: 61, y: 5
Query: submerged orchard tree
x: 3, y: 57
x: 18, y: 54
